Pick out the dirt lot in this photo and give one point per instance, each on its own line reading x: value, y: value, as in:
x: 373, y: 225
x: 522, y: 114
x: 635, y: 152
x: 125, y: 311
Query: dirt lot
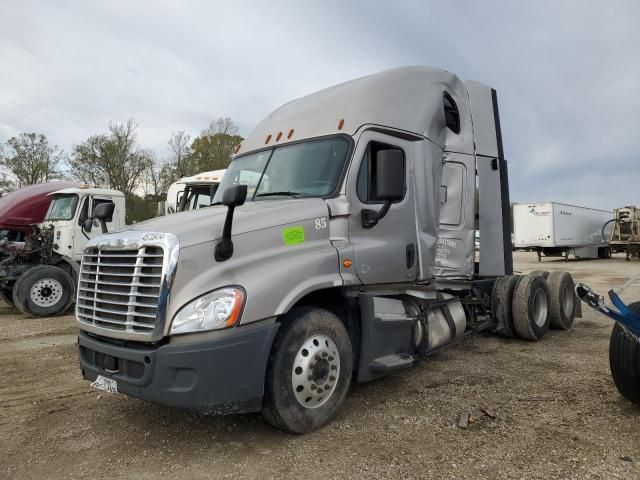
x: 558, y: 414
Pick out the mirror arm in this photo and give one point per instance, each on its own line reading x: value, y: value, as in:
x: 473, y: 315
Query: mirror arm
x: 224, y: 249
x: 370, y: 218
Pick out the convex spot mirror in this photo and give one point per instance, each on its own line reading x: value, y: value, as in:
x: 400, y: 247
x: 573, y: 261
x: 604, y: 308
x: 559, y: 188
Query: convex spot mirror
x: 87, y: 225
x: 389, y: 175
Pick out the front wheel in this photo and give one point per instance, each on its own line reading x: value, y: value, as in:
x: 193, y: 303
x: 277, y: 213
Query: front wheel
x: 624, y: 360
x: 309, y: 371
x: 43, y: 291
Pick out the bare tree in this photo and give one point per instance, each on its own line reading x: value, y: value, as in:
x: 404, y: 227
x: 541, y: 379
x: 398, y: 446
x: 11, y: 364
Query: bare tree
x: 221, y: 125
x: 180, y: 147
x: 30, y: 159
x: 114, y: 158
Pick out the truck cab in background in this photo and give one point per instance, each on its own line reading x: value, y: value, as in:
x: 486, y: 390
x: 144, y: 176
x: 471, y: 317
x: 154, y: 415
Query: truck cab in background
x: 191, y: 193
x: 39, y: 274
x: 338, y: 247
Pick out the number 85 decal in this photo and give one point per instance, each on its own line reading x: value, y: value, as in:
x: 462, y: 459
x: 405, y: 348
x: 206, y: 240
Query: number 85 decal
x: 321, y: 223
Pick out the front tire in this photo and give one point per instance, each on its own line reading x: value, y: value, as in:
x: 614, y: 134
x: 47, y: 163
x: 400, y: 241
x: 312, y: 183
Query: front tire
x: 44, y: 291
x: 309, y: 371
x: 624, y: 360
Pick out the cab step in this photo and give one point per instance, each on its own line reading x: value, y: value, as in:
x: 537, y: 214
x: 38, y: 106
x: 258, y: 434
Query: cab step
x: 389, y: 363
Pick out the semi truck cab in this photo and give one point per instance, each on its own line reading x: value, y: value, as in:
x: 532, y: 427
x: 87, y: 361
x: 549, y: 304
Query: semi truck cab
x: 339, y: 247
x: 39, y: 274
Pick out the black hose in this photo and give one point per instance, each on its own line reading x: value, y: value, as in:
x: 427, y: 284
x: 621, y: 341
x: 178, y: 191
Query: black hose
x: 607, y: 223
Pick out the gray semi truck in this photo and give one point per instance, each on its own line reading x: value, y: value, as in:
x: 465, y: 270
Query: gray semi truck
x: 339, y: 248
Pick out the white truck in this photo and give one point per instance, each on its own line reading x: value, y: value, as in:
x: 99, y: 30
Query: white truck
x: 39, y: 270
x: 556, y: 229
x: 338, y: 248
x: 191, y: 193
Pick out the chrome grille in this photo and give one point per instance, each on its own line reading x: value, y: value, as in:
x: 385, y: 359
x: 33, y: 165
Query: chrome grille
x: 120, y: 289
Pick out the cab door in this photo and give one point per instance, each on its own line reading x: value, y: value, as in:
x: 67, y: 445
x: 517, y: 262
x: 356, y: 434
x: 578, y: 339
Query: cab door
x: 385, y: 252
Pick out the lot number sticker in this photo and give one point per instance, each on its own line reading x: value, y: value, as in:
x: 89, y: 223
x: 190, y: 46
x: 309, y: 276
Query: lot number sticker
x: 293, y: 235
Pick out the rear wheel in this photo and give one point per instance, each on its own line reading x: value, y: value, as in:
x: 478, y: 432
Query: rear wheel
x: 624, y: 360
x: 43, y: 291
x: 309, y: 371
x: 531, y: 308
x: 604, y: 253
x: 501, y: 300
x: 562, y: 300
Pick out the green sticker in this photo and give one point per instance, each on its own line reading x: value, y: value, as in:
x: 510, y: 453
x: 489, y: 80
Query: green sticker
x: 293, y: 235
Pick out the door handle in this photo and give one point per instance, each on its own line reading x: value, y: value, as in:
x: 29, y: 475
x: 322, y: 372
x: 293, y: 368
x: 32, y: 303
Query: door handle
x: 411, y: 255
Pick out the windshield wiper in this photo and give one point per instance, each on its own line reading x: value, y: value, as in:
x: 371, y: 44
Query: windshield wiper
x: 273, y: 194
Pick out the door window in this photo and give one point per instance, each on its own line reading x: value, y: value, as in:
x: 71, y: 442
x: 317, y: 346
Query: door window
x: 365, y: 186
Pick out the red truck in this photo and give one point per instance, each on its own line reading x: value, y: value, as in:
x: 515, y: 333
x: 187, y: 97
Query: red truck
x: 19, y: 212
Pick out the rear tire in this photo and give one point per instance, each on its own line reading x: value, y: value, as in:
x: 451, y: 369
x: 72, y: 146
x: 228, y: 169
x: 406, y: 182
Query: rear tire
x: 604, y: 253
x: 562, y: 300
x: 624, y: 360
x: 542, y: 273
x: 311, y: 358
x: 44, y: 291
x: 501, y: 301
x: 531, y: 308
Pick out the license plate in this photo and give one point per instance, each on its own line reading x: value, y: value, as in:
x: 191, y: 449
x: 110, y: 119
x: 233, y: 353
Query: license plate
x: 105, y: 384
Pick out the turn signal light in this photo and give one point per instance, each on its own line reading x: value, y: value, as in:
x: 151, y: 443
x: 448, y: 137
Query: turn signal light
x: 346, y: 263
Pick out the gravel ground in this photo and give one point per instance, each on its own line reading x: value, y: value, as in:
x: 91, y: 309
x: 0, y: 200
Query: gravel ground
x: 557, y: 413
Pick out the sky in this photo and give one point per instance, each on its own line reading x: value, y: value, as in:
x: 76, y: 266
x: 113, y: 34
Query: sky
x: 566, y: 73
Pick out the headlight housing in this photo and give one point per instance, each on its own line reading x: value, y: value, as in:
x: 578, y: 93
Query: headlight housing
x: 212, y: 311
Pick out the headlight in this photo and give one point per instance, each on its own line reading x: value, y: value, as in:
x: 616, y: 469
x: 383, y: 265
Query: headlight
x: 212, y: 311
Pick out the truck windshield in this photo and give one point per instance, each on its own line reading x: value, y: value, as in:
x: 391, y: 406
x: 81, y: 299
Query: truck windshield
x: 308, y: 169
x: 63, y: 207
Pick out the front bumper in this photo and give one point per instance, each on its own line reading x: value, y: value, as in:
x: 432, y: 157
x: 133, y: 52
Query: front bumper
x: 223, y: 374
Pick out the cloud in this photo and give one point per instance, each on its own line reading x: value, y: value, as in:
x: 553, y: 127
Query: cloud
x: 565, y: 72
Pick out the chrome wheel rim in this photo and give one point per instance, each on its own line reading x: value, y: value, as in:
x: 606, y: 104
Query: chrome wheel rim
x: 540, y: 308
x: 567, y: 301
x: 46, y: 292
x: 316, y: 370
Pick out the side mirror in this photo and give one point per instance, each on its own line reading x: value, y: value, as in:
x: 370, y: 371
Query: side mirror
x: 232, y: 197
x: 389, y: 173
x: 388, y: 184
x: 103, y: 213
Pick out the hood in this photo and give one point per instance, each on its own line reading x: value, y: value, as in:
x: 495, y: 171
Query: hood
x: 28, y: 205
x: 204, y: 225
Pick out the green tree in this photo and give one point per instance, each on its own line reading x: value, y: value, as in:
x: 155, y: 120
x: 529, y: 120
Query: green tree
x: 30, y: 159
x: 114, y: 159
x: 213, y: 148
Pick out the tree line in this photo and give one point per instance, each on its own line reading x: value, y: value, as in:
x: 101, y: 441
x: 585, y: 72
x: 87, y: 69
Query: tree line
x: 116, y: 159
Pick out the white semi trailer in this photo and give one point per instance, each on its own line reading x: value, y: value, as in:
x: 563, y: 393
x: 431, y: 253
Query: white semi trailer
x: 556, y: 229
